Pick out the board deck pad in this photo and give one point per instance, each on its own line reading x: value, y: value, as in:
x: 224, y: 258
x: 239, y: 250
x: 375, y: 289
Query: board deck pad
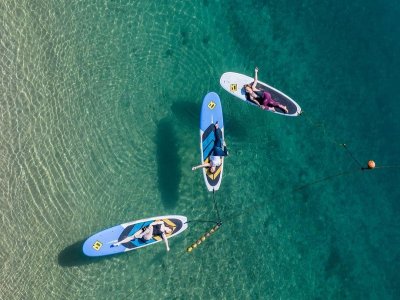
x: 211, y: 113
x: 208, y: 139
x: 234, y: 83
x: 102, y: 243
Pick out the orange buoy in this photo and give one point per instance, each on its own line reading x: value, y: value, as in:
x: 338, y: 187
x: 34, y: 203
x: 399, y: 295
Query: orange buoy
x: 371, y: 164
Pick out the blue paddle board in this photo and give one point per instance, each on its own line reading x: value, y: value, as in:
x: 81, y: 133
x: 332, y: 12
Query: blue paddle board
x: 233, y: 83
x: 211, y: 112
x: 103, y: 243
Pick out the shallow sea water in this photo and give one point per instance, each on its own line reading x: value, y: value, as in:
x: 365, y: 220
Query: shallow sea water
x: 99, y: 120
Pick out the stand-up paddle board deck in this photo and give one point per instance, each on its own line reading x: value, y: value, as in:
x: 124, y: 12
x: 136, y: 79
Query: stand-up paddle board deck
x: 233, y: 83
x: 211, y: 112
x: 102, y: 243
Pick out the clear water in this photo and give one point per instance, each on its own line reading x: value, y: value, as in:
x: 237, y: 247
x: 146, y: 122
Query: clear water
x: 99, y: 120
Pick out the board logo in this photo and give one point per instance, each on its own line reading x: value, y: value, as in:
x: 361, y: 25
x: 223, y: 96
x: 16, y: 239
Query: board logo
x: 97, y: 245
x: 233, y: 87
x: 211, y: 105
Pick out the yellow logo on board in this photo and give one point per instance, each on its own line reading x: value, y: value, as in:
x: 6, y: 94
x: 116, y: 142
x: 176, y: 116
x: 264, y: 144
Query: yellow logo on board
x: 233, y: 87
x: 211, y: 105
x: 97, y: 245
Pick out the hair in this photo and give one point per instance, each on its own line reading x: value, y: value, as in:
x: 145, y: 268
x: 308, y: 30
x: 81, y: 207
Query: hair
x: 215, y: 169
x: 246, y: 93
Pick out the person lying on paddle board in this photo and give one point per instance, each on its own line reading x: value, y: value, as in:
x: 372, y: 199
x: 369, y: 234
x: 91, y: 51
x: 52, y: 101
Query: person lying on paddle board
x: 216, y: 154
x: 147, y: 233
x: 261, y: 98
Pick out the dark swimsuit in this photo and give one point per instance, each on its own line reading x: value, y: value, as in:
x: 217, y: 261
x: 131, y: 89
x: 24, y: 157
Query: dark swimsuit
x: 264, y: 98
x: 260, y: 96
x: 157, y: 230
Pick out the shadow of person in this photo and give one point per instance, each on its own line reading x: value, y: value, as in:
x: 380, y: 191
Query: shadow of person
x: 168, y: 163
x: 73, y: 256
x: 187, y: 113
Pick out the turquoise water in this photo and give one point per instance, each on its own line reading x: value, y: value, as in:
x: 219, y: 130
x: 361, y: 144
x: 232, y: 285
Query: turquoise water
x: 99, y: 119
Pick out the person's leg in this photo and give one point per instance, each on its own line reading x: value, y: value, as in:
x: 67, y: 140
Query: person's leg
x: 147, y: 234
x: 218, y: 136
x: 218, y: 149
x: 125, y: 240
x: 268, y: 101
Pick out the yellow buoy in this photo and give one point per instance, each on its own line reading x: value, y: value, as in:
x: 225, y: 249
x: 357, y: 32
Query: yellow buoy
x: 204, y: 237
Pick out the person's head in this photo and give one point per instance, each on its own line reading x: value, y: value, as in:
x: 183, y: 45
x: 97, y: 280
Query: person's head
x: 213, y: 169
x: 215, y: 162
x: 168, y: 230
x: 247, y: 88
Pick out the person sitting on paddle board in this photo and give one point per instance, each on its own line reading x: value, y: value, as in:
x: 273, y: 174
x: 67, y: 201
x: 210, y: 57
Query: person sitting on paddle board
x: 147, y: 233
x: 216, y: 154
x: 261, y: 98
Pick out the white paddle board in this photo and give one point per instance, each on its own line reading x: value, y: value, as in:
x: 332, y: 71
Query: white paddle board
x: 234, y: 83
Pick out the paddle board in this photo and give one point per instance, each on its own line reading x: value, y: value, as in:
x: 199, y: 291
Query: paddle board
x: 233, y: 83
x: 211, y: 112
x: 103, y: 243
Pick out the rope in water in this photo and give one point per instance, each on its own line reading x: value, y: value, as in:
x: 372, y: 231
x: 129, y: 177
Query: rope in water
x: 210, y: 232
x: 370, y: 166
x: 202, y: 221
x: 336, y: 142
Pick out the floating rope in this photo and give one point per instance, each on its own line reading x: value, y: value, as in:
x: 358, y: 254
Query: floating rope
x: 324, y: 179
x: 355, y: 159
x: 371, y: 163
x: 322, y: 127
x: 204, y: 237
x: 370, y: 166
x: 386, y: 167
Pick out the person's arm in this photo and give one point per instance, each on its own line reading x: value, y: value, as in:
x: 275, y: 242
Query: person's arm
x: 164, y: 237
x: 253, y: 86
x: 251, y: 98
x: 205, y: 165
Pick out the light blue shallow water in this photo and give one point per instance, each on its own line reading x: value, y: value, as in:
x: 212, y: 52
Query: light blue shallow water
x: 99, y: 119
